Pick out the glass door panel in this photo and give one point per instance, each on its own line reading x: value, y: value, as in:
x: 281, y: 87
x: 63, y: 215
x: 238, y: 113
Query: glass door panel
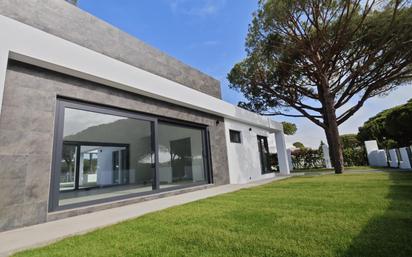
x: 181, y: 155
x: 68, y: 168
x: 114, y: 156
x: 109, y: 154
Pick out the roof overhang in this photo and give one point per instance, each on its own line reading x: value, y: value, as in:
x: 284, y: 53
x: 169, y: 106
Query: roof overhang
x: 30, y: 45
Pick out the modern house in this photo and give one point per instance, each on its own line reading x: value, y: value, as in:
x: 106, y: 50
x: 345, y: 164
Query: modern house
x: 92, y: 118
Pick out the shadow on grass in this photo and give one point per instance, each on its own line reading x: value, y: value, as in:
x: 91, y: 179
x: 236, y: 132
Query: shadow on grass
x: 391, y: 233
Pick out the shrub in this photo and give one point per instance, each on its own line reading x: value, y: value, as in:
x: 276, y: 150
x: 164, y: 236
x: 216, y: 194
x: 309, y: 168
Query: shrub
x: 306, y: 158
x: 354, y: 156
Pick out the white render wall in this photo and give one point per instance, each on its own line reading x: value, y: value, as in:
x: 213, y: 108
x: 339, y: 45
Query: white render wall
x: 290, y: 162
x: 376, y: 157
x: 379, y: 158
x: 405, y: 163
x: 393, y: 162
x: 326, y: 157
x: 244, y: 160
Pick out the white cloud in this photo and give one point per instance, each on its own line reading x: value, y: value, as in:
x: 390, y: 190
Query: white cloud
x: 196, y: 8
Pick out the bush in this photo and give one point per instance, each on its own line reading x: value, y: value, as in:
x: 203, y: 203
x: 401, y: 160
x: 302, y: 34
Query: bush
x: 355, y: 156
x: 273, y: 161
x: 306, y: 158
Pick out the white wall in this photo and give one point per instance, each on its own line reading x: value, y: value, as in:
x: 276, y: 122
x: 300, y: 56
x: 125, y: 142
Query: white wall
x: 376, y: 157
x: 379, y: 158
x: 393, y: 163
x: 405, y: 163
x: 289, y: 153
x: 244, y: 160
x: 326, y: 157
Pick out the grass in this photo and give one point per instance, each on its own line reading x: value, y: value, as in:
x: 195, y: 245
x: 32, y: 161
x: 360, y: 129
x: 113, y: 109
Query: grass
x: 362, y: 214
x: 351, y: 168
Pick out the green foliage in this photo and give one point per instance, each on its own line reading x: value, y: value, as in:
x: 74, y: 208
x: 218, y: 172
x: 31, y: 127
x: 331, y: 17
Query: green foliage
x: 306, y: 158
x: 310, y: 58
x: 391, y: 127
x: 398, y: 124
x: 289, y: 128
x: 288, y: 40
x: 350, y: 141
x: 298, y: 145
x: 354, y: 153
x: 355, y: 156
x: 390, y: 143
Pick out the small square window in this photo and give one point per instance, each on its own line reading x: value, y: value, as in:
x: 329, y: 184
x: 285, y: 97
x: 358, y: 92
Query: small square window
x: 235, y: 136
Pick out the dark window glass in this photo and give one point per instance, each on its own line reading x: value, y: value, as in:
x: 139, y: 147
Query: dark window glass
x: 104, y: 156
x: 235, y: 136
x: 263, y: 148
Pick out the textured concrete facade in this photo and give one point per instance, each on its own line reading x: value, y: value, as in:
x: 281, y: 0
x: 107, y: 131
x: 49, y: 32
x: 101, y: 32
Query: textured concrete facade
x: 27, y: 130
x: 66, y: 21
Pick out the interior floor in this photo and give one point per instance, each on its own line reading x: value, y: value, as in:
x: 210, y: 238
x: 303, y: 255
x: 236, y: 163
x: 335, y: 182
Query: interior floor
x: 74, y: 197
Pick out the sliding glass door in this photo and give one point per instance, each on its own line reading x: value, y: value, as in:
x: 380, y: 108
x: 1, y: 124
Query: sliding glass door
x: 104, y: 154
x: 182, y: 155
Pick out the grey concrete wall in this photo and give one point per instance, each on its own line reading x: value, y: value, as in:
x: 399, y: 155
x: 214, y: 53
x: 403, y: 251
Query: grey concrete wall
x: 27, y: 130
x: 71, y: 23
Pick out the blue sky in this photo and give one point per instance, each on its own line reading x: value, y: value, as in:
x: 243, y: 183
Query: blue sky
x: 206, y: 34
x: 209, y: 35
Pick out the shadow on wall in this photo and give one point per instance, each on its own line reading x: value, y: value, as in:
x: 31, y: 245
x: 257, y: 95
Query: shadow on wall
x: 383, y: 235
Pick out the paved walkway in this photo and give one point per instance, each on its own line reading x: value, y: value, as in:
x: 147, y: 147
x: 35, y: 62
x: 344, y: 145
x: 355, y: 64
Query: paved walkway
x: 46, y: 233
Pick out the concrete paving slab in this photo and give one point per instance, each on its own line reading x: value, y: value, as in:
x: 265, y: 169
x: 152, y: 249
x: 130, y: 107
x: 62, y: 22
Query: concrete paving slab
x: 42, y: 234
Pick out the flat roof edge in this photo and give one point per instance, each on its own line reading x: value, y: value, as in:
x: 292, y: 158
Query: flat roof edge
x: 66, y: 57
x: 62, y: 19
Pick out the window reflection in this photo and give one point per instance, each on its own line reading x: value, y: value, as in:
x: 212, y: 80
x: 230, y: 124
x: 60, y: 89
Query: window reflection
x: 107, y: 156
x: 103, y: 156
x: 180, y: 155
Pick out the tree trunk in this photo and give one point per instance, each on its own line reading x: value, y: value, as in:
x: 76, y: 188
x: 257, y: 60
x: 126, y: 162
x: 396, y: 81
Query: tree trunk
x: 332, y: 136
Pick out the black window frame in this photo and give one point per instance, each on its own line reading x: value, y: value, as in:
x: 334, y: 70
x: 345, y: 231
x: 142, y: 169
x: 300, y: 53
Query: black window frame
x: 237, y: 133
x: 63, y: 103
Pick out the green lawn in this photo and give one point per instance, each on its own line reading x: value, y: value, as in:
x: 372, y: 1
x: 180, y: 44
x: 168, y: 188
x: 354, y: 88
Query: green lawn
x: 363, y: 214
x: 351, y: 168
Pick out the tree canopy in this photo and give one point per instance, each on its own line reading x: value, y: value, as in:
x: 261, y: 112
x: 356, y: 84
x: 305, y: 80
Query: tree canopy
x: 298, y: 145
x: 350, y: 141
x: 323, y: 59
x: 289, y: 128
x: 391, y: 127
